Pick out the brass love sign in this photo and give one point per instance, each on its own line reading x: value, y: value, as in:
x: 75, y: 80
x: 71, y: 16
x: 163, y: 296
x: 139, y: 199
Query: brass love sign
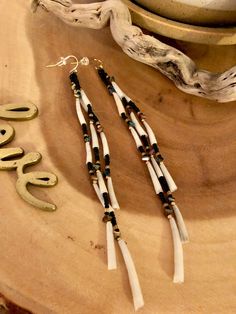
x: 14, y: 158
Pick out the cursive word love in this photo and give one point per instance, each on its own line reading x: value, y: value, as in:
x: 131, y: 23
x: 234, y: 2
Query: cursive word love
x: 14, y: 158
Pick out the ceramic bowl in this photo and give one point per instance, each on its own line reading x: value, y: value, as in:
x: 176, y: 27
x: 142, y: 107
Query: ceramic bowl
x: 195, y: 12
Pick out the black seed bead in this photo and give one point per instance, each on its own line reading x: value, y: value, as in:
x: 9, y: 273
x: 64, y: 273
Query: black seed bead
x: 164, y: 184
x: 107, y: 160
x: 74, y: 80
x: 145, y: 141
x: 124, y: 102
x: 124, y: 116
x: 113, y: 221
x: 90, y: 166
x: 95, y: 118
x: 112, y: 214
x: 155, y: 148
x: 90, y: 110
x: 133, y: 106
x: 162, y: 197
x: 141, y: 149
x: 106, y: 199
x: 96, y: 154
x: 84, y: 128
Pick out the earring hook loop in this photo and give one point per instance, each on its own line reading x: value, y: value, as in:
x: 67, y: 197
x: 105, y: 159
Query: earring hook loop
x: 63, y: 61
x: 84, y: 61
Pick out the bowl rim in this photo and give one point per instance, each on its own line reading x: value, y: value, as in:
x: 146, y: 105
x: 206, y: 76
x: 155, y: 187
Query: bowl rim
x: 181, y: 31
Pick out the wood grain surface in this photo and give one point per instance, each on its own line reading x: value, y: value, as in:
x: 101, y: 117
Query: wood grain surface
x: 56, y: 262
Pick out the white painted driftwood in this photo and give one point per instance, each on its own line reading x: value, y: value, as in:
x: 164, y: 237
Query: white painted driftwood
x: 144, y: 48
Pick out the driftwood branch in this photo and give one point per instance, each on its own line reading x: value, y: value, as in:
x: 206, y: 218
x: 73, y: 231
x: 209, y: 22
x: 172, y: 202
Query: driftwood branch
x: 144, y: 48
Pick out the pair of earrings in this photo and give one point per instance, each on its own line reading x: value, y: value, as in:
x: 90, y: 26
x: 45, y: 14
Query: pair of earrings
x: 146, y: 143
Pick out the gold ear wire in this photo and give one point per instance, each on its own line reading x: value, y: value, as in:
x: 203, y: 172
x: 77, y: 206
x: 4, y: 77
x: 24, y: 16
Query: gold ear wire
x: 63, y: 61
x: 83, y: 61
x: 99, y: 62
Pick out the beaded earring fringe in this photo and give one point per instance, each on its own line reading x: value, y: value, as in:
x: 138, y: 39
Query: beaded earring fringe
x: 163, y: 182
x: 102, y: 184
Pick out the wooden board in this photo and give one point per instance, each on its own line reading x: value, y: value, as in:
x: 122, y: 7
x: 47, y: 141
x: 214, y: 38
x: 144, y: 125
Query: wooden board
x: 56, y: 262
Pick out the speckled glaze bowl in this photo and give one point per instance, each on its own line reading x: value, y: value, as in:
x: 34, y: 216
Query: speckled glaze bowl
x: 202, y: 34
x: 195, y: 12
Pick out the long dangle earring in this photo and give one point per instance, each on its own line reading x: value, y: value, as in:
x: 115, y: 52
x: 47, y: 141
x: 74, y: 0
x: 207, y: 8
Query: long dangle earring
x: 163, y: 183
x: 94, y: 137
